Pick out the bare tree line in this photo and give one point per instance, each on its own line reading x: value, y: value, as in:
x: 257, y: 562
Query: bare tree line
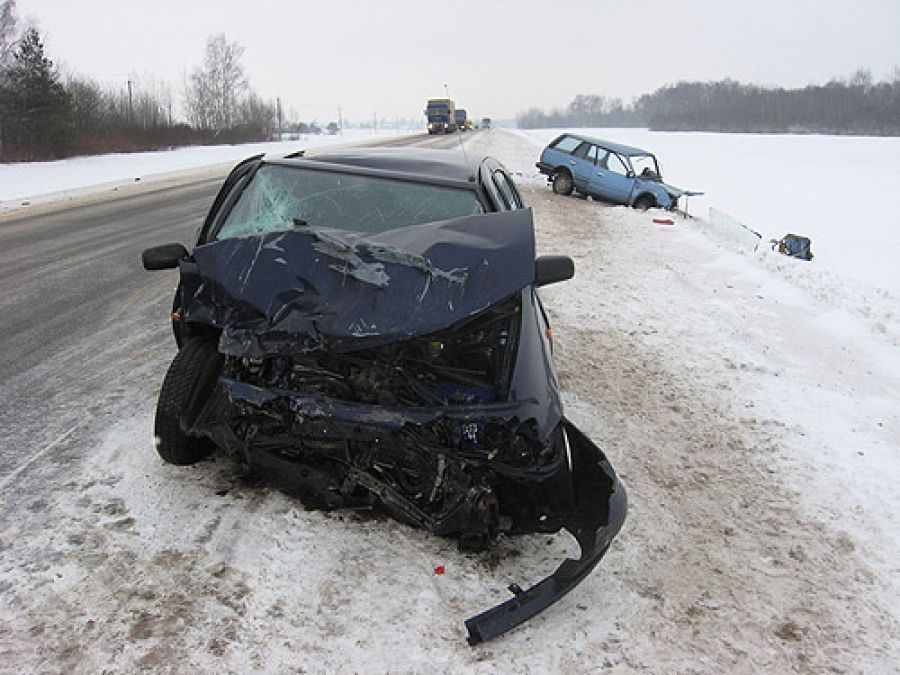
x: 44, y: 115
x: 856, y: 105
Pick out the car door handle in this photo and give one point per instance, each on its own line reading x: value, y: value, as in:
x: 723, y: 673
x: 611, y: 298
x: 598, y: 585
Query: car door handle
x: 572, y: 162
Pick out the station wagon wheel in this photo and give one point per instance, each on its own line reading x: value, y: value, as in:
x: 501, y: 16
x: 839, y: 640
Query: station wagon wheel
x: 644, y: 202
x: 188, y: 383
x: 562, y: 183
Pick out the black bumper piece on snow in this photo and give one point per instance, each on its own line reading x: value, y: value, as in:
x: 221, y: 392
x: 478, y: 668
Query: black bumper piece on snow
x: 600, y: 506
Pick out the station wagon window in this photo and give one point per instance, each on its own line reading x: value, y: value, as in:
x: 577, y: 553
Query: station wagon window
x: 593, y: 154
x: 566, y: 144
x: 615, y: 164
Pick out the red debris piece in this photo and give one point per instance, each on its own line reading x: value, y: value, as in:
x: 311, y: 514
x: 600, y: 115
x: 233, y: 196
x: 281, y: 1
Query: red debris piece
x: 439, y: 569
x: 663, y: 221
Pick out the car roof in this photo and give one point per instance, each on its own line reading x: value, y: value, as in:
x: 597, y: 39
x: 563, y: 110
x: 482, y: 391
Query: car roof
x: 627, y: 150
x: 445, y: 166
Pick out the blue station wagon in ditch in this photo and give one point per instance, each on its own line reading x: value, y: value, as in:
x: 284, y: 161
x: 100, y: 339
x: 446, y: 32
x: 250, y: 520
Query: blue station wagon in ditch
x: 608, y: 171
x: 363, y: 329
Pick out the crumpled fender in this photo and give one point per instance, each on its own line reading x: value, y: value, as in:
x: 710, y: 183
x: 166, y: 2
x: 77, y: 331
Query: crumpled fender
x: 305, y: 289
x: 600, y: 505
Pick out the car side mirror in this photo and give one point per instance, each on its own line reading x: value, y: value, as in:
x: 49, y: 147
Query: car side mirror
x: 549, y: 269
x: 165, y: 257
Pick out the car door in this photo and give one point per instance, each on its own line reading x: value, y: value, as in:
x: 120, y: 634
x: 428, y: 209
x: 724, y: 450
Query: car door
x: 582, y: 164
x: 611, y: 179
x: 586, y: 166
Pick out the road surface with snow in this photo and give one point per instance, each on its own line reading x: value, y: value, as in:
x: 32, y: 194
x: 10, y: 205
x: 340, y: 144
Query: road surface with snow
x: 750, y: 409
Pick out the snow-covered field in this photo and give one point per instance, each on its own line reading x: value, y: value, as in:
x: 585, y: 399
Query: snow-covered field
x: 838, y: 190
x: 749, y: 401
x: 33, y: 182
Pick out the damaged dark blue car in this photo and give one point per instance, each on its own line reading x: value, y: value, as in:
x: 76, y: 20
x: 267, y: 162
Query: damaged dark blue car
x: 363, y: 329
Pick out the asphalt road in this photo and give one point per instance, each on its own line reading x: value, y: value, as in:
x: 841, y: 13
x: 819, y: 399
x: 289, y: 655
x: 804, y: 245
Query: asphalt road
x: 81, y: 319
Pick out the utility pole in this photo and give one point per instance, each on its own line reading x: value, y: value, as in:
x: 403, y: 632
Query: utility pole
x: 130, y: 103
x: 278, y: 112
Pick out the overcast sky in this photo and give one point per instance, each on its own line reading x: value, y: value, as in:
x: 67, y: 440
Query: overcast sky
x: 497, y: 58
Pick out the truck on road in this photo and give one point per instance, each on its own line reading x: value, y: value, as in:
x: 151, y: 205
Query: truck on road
x: 462, y: 120
x: 441, y: 115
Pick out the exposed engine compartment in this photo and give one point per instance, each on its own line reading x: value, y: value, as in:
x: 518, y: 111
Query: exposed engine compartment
x: 455, y: 474
x: 468, y: 364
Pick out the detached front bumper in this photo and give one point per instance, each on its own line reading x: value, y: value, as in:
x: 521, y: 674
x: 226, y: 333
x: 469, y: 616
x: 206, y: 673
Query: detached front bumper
x: 601, y: 503
x: 596, y: 505
x: 544, y: 168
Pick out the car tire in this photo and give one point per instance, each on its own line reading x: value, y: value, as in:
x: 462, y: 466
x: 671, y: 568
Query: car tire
x: 644, y: 202
x: 189, y: 381
x: 562, y: 183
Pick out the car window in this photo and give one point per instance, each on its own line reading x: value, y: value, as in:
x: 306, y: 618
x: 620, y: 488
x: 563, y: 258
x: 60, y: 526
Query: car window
x: 566, y: 144
x: 281, y: 197
x: 645, y: 165
x: 593, y: 154
x: 615, y: 164
x: 582, y: 150
x: 507, y: 190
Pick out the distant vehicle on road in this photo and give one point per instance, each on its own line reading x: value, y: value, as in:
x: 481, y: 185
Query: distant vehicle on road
x: 485, y: 122
x: 462, y: 119
x: 609, y: 171
x: 441, y: 115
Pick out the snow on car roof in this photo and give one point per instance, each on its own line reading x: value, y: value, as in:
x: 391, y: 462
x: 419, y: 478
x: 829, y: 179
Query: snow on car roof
x: 626, y: 150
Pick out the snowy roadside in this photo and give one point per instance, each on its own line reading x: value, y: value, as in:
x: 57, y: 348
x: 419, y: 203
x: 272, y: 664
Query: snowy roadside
x: 754, y: 423
x: 754, y: 384
x: 761, y: 531
x: 38, y: 183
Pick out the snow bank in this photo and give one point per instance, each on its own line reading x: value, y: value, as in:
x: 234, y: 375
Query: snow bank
x: 23, y: 182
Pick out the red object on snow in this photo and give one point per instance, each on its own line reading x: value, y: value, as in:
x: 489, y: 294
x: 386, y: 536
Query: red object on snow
x: 663, y: 221
x: 439, y: 569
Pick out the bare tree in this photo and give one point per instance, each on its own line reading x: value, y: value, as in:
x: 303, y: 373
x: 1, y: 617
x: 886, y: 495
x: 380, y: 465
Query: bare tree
x: 213, y: 92
x: 258, y: 118
x: 7, y: 32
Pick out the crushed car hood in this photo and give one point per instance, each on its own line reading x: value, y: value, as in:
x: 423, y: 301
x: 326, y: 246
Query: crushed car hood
x: 307, y: 289
x: 671, y: 189
x: 679, y: 192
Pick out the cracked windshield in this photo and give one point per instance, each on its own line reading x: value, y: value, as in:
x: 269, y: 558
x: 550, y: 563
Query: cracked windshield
x: 279, y: 198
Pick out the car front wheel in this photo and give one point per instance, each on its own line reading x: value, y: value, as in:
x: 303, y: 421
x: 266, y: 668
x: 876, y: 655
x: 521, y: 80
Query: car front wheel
x: 644, y: 202
x: 188, y: 383
x: 562, y: 183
